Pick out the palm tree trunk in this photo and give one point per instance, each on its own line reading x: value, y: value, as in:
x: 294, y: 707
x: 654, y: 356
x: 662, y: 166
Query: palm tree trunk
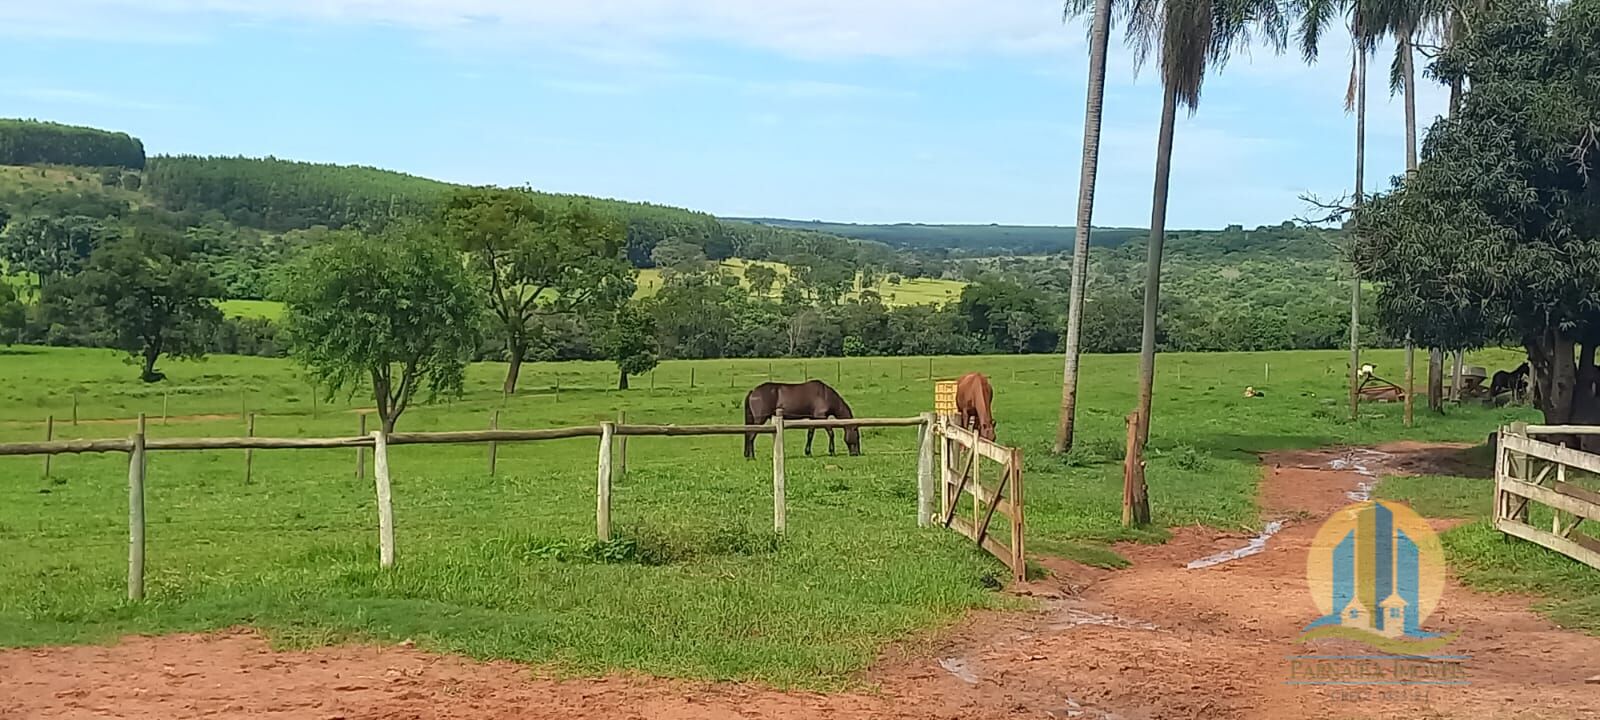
x: 1355, y: 273
x: 1137, y: 510
x: 1098, y: 38
x: 1408, y: 59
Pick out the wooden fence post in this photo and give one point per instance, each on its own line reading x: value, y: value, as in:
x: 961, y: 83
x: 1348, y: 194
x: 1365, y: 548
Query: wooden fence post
x: 622, y: 446
x: 930, y: 367
x: 1020, y: 558
x: 1518, y: 466
x: 732, y: 376
x: 558, y: 387
x: 838, y: 373
x: 652, y: 381
x: 74, y: 408
x: 244, y: 404
x: 49, y: 434
x: 602, y: 506
x: 494, y: 447
x: 166, y: 398
x: 945, y: 474
x: 1134, y: 455
x: 780, y: 508
x: 313, y: 401
x: 925, y: 462
x: 769, y: 370
x: 805, y: 370
x: 136, y: 467
x: 249, y: 455
x: 361, y: 452
x: 380, y: 471
x: 691, y: 376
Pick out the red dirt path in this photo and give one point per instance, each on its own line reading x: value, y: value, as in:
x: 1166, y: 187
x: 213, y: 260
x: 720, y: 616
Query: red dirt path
x: 1154, y: 641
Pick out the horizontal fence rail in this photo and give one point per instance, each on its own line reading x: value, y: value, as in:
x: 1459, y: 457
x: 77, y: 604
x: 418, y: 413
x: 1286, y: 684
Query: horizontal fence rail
x: 61, y: 447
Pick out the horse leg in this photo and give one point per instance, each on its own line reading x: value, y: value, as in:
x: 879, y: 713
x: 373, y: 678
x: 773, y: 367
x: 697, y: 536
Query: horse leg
x: 810, y: 433
x: 750, y: 446
x: 830, y: 441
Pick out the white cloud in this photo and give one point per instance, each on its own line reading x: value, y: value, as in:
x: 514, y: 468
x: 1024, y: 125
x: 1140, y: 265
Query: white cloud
x: 808, y: 29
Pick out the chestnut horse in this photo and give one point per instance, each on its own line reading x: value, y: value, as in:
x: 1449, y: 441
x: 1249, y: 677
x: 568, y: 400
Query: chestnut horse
x: 975, y: 403
x: 810, y: 400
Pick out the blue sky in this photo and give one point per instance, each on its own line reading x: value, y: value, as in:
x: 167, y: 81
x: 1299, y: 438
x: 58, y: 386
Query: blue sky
x: 964, y: 111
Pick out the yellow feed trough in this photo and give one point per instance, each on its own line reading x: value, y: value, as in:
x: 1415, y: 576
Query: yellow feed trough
x: 944, y: 397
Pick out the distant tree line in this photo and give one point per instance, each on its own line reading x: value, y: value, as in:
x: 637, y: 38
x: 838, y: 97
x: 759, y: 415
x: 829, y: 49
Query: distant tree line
x: 29, y: 142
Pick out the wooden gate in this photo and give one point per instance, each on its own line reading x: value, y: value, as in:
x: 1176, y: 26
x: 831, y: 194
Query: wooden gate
x: 1530, y: 471
x: 961, y: 458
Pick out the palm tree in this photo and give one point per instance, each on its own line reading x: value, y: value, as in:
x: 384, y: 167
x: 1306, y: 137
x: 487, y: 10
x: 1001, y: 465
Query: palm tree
x: 1099, y: 32
x: 1188, y: 37
x: 1314, y: 16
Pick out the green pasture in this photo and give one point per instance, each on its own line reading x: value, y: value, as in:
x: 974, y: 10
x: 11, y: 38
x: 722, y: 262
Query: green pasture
x: 697, y: 586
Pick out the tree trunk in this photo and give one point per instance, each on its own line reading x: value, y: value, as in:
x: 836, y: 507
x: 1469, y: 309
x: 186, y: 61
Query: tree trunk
x: 1355, y: 273
x: 1408, y: 59
x: 515, y: 370
x: 1436, y: 380
x: 622, y: 380
x: 1098, y: 39
x: 1133, y: 479
x: 147, y: 371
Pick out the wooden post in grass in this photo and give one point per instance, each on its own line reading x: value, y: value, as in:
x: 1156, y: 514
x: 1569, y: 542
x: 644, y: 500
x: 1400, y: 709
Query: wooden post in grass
x: 930, y: 367
x: 136, y: 468
x: 361, y: 452
x: 805, y: 370
x: 780, y: 507
x: 838, y: 373
x: 1134, y: 455
x: 622, y: 446
x: 494, y: 447
x: 691, y: 376
x: 925, y: 462
x: 602, y: 503
x: 313, y: 401
x: 1518, y: 465
x: 74, y: 408
x: 652, y: 382
x: 244, y: 404
x: 558, y: 387
x: 166, y: 398
x: 380, y: 471
x: 1019, y: 556
x: 249, y: 455
x: 49, y: 434
x: 1266, y: 372
x: 902, y: 368
x: 732, y: 376
x: 769, y: 371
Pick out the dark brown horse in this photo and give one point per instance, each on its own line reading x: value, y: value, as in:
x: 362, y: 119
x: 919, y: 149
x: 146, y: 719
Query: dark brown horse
x: 975, y: 402
x: 810, y: 400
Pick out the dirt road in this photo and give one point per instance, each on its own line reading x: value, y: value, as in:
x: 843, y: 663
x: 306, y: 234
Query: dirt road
x: 1157, y: 640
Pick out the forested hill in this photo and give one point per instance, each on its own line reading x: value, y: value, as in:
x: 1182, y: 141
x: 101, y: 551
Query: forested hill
x: 997, y: 240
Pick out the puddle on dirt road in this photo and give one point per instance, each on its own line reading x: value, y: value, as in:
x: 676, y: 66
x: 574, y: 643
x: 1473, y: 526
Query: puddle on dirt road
x: 961, y: 668
x: 1256, y: 545
x: 1360, y: 461
x: 1066, y: 617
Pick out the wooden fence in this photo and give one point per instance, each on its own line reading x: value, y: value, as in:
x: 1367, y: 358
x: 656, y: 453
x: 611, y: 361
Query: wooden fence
x: 962, y: 454
x: 612, y: 439
x: 1527, y: 470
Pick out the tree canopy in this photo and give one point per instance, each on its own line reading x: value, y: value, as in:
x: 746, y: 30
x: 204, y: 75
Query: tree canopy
x: 396, y: 309
x: 152, y: 298
x: 1496, y: 236
x: 27, y: 142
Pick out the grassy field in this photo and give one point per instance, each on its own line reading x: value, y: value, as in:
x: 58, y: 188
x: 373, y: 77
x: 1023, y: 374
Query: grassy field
x: 266, y: 309
x: 501, y: 567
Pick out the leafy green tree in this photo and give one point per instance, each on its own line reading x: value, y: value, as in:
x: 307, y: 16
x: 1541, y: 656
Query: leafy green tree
x: 30, y: 142
x: 630, y: 341
x: 153, y: 299
x: 13, y: 315
x: 397, y: 309
x: 761, y: 279
x: 534, y: 259
x: 1492, y: 237
x: 52, y: 247
x: 680, y: 257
